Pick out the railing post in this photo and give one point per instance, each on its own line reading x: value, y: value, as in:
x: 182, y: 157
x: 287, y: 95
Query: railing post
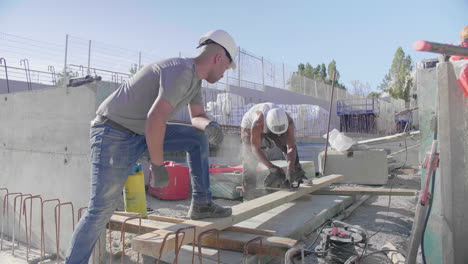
x: 89, y: 57
x: 284, y: 78
x: 66, y: 55
x: 139, y: 60
x: 239, y: 67
x: 263, y: 75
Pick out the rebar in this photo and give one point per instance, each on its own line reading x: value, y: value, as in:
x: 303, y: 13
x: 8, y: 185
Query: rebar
x: 3, y: 61
x: 19, y: 225
x: 178, y: 247
x: 57, y: 224
x: 28, y: 237
x: 246, y: 249
x: 122, y: 237
x: 43, y: 223
x: 5, y: 205
x: 199, y: 243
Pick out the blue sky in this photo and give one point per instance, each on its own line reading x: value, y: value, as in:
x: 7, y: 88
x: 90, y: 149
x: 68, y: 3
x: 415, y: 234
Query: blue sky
x: 361, y: 36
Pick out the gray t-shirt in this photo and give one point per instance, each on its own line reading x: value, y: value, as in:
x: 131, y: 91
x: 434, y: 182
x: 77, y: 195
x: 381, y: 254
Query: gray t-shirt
x: 175, y: 80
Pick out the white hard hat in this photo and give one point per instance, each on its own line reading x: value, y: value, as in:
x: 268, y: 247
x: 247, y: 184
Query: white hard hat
x: 277, y: 121
x: 225, y: 40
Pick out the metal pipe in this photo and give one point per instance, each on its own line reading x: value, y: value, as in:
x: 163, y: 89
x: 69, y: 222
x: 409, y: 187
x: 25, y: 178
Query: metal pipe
x: 3, y: 61
x: 388, y: 138
x: 329, y: 120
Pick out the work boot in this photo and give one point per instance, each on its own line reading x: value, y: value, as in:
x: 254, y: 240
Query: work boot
x: 199, y: 210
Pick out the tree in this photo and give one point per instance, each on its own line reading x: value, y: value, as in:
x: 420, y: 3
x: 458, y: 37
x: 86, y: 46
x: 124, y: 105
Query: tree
x: 398, y: 81
x: 360, y: 88
x: 319, y: 73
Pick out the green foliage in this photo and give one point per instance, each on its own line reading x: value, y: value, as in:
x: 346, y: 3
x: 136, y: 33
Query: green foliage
x: 374, y: 94
x: 300, y: 80
x: 398, y: 81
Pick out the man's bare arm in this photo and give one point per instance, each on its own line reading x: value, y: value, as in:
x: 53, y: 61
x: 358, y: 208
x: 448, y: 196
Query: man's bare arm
x: 291, y: 146
x: 256, y: 140
x: 198, y: 116
x: 156, y: 129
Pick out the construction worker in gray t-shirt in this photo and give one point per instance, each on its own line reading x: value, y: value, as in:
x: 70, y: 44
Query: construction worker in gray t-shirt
x: 132, y: 122
x: 263, y: 127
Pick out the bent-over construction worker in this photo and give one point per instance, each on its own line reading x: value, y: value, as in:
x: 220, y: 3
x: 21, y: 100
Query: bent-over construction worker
x: 264, y: 126
x: 132, y: 122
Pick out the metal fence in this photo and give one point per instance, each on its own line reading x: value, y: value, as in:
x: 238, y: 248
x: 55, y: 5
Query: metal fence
x: 38, y: 62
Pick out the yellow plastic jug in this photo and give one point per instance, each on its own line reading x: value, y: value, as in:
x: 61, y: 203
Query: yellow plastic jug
x: 134, y: 192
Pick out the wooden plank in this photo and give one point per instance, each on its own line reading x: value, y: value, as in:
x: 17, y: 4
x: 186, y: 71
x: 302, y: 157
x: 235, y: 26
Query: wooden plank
x: 366, y: 191
x: 271, y: 245
x: 231, y: 240
x: 150, y: 243
x: 231, y: 228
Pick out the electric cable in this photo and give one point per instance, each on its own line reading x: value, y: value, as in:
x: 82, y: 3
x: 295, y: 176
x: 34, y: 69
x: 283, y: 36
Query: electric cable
x: 381, y: 251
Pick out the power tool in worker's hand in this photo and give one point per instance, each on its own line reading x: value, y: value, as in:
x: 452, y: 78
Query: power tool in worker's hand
x: 277, y: 179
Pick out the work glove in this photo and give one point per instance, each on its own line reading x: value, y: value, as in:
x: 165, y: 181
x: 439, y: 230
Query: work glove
x: 275, y: 178
x: 296, y: 175
x: 214, y: 133
x: 159, y: 176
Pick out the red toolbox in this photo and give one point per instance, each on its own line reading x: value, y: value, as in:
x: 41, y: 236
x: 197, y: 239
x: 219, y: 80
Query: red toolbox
x: 179, y: 183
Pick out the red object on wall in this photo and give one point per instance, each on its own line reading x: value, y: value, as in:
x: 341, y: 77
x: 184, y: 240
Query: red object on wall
x: 179, y: 183
x: 463, y: 79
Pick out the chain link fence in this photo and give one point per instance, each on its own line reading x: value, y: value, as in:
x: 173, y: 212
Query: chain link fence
x: 41, y: 64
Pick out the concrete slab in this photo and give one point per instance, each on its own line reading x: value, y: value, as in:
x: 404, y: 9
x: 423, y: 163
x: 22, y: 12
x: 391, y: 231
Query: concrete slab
x: 293, y: 220
x: 358, y: 167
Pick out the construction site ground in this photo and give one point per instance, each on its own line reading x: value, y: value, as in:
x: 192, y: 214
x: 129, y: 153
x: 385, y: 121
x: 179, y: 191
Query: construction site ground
x: 385, y: 219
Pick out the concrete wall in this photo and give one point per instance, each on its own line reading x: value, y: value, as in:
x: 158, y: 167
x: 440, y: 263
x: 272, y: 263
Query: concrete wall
x: 19, y: 86
x: 453, y: 138
x: 44, y: 150
x: 441, y: 99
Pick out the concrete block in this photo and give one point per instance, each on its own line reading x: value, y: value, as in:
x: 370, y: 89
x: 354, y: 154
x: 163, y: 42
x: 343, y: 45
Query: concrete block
x: 358, y: 167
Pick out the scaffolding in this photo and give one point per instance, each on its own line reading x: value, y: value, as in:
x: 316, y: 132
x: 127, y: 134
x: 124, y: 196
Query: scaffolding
x: 358, y: 115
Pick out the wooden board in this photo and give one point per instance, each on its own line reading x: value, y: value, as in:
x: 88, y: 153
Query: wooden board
x: 231, y: 228
x: 150, y: 243
x: 366, y: 191
x: 231, y: 240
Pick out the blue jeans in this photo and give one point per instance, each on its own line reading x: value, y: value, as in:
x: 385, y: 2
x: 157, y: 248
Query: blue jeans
x: 113, y: 154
